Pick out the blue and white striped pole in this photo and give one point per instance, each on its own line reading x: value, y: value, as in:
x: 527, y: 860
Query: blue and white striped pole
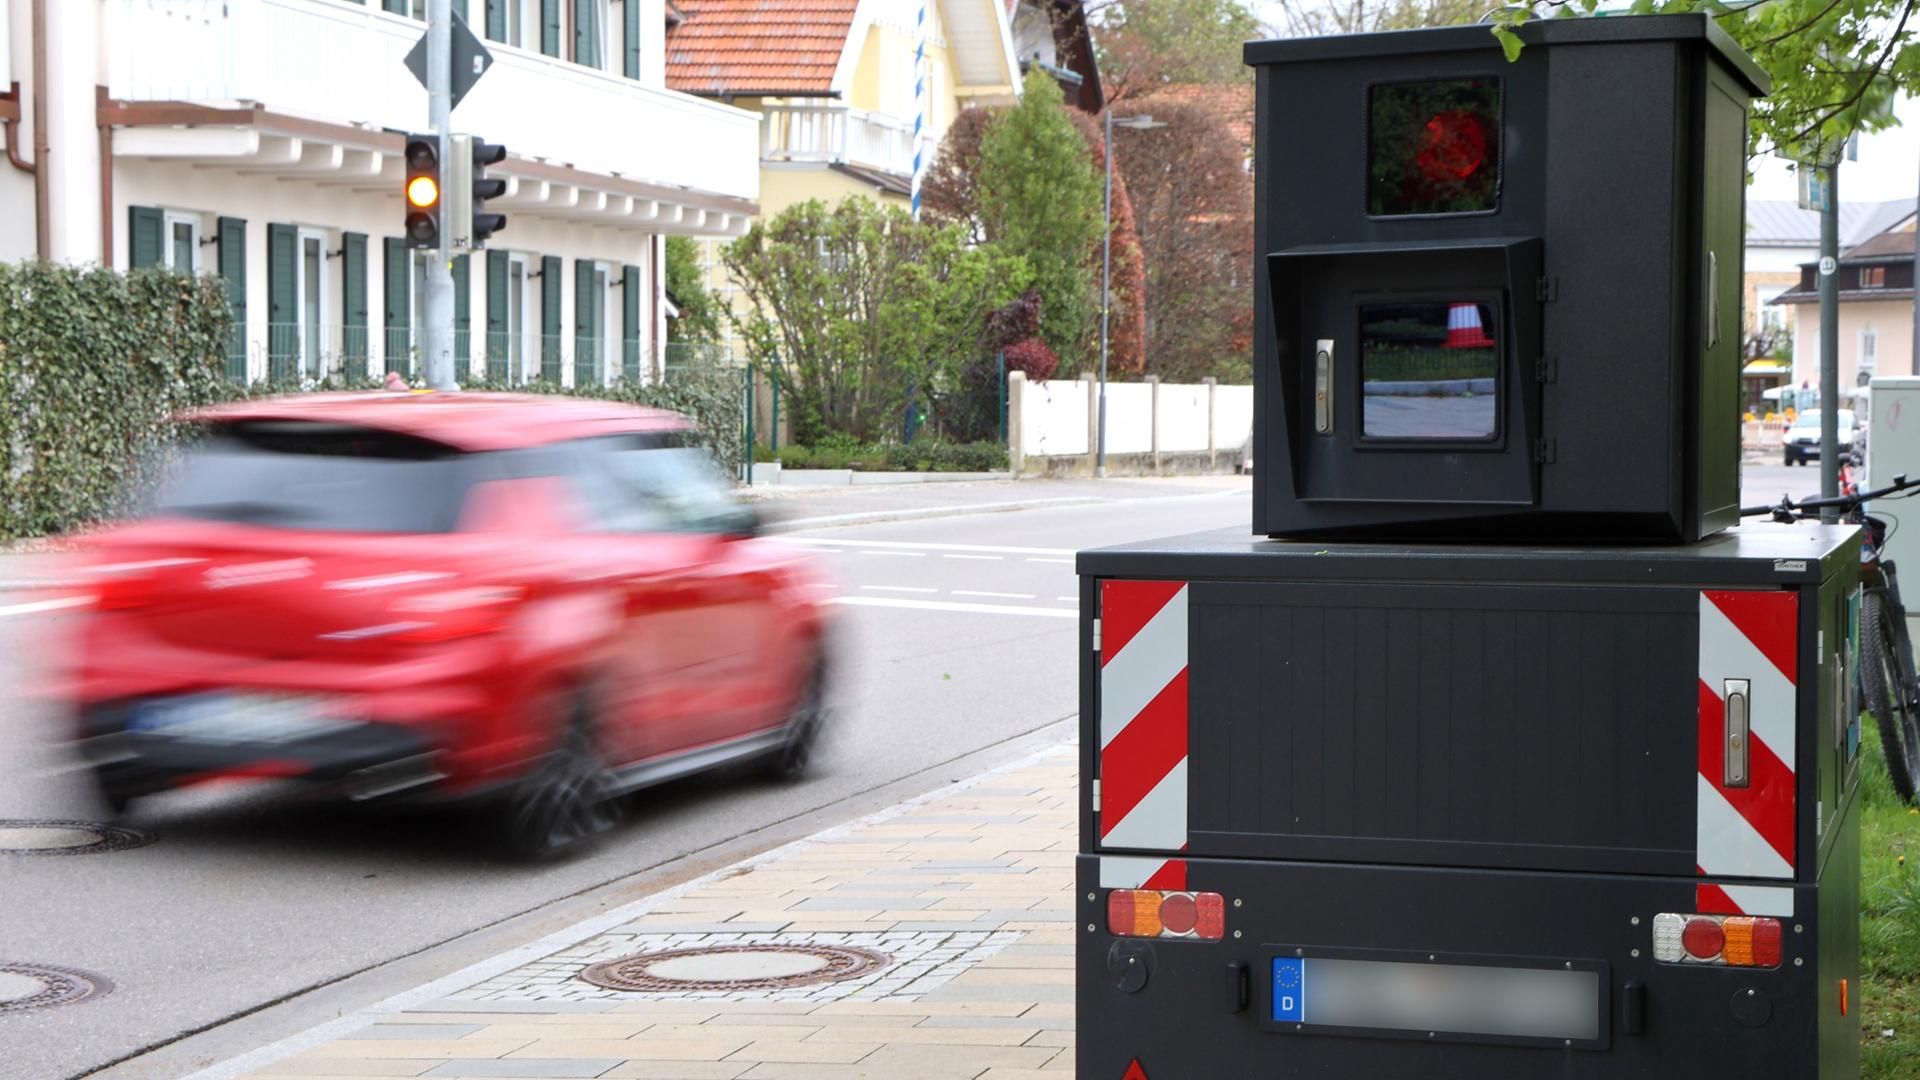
x: 919, y: 105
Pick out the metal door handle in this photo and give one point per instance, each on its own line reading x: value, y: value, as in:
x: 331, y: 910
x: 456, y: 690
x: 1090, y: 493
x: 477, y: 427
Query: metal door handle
x: 1323, y: 386
x: 1713, y: 299
x: 1739, y: 737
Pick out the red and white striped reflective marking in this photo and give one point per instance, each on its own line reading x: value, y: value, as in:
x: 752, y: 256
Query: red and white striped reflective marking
x: 1747, y: 831
x: 1774, y: 900
x: 1149, y: 872
x: 1143, y: 729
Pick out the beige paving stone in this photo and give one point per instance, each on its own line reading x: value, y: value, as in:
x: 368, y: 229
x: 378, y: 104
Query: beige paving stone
x: 308, y: 1065
x: 1051, y: 1011
x: 516, y: 1018
x: 676, y: 1070
x: 743, y: 1032
x: 526, y: 1031
x: 925, y: 1008
x: 430, y: 1049
x: 903, y: 1060
x: 639, y: 1048
x: 845, y: 1053
x: 1051, y: 1037
x: 939, y: 1036
x: 865, y: 1070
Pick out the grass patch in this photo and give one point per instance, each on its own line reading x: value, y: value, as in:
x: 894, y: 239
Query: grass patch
x: 1889, y: 924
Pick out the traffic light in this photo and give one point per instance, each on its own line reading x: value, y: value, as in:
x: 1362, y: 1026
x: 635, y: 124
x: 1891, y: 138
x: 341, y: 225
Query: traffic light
x: 423, y: 191
x: 469, y: 189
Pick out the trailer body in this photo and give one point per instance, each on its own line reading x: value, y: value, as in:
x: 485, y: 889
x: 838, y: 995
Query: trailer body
x: 1444, y: 795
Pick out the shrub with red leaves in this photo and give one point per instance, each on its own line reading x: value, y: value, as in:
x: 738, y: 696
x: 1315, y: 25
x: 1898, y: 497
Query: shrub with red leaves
x: 1032, y: 357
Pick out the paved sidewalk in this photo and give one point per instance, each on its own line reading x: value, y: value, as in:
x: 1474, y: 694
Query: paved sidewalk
x: 966, y: 893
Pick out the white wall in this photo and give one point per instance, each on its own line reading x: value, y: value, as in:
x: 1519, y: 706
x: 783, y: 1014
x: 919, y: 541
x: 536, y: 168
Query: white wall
x: 1053, y: 417
x: 1232, y: 416
x: 1130, y: 418
x: 1183, y: 417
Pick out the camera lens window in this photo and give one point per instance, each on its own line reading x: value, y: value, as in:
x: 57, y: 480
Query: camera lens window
x: 1434, y: 147
x: 1429, y: 370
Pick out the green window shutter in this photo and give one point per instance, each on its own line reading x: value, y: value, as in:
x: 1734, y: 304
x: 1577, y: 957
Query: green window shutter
x: 462, y: 315
x: 283, y: 300
x: 146, y: 235
x: 231, y: 247
x: 550, y: 27
x: 630, y: 322
x: 398, y: 7
x: 499, y: 349
x: 586, y: 346
x: 353, y: 304
x: 586, y: 49
x: 497, y: 20
x: 630, y: 39
x: 398, y: 315
x: 550, y: 283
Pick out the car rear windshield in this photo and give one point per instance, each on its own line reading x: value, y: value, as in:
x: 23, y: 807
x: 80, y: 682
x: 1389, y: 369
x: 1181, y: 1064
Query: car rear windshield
x: 322, y: 477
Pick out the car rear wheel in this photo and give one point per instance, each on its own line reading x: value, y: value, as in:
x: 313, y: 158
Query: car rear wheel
x: 567, y: 800
x: 809, y: 717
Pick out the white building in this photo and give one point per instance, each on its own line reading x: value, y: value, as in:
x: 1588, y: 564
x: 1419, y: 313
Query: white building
x: 259, y: 140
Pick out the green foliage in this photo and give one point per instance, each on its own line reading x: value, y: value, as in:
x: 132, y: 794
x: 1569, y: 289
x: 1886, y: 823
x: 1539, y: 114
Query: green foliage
x: 712, y: 397
x: 93, y: 366
x: 1836, y: 64
x: 1040, y: 196
x: 1145, y: 44
x: 1889, y: 923
x: 699, y: 313
x: 861, y: 310
x: 917, y: 456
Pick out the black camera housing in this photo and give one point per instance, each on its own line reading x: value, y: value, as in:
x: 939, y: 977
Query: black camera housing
x: 1500, y: 298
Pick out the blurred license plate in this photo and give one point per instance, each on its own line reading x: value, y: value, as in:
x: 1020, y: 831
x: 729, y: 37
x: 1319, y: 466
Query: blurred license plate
x: 235, y: 717
x: 1462, y: 1000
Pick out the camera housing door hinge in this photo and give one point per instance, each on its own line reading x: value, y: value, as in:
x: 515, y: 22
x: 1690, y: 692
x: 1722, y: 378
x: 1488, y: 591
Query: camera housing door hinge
x: 1546, y: 289
x: 1546, y: 369
x: 1543, y: 451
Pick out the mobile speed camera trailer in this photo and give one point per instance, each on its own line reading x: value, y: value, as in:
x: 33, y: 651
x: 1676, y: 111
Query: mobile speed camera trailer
x: 1498, y: 752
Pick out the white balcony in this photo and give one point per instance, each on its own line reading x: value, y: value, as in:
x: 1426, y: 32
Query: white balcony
x: 831, y: 133
x: 341, y: 62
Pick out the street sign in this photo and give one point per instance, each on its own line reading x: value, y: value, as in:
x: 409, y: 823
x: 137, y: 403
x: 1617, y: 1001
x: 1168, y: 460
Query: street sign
x: 470, y: 60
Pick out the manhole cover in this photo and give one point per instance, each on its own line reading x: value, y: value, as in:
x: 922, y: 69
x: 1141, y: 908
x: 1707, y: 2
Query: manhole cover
x: 735, y: 967
x: 67, y: 838
x: 33, y: 986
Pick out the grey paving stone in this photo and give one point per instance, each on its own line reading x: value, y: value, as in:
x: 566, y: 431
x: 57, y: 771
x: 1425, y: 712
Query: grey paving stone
x: 996, y: 793
x: 1042, y: 995
x: 968, y: 819
x: 704, y: 928
x: 517, y: 1067
x: 863, y: 903
x: 1043, y: 1023
x: 447, y: 1005
x: 415, y: 1031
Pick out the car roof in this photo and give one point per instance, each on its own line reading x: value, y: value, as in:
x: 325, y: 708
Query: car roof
x: 464, y: 421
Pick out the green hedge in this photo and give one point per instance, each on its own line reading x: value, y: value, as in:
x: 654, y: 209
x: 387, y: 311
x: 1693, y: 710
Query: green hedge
x: 713, y: 397
x: 925, y: 456
x: 93, y: 364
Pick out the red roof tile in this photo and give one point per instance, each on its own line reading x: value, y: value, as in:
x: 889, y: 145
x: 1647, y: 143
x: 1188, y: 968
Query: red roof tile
x: 755, y: 47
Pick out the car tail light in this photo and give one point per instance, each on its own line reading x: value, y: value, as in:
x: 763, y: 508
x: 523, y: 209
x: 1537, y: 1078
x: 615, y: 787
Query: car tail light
x: 457, y: 613
x: 1720, y: 940
x: 1154, y: 913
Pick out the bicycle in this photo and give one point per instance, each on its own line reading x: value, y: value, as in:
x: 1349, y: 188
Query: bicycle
x: 1889, y: 685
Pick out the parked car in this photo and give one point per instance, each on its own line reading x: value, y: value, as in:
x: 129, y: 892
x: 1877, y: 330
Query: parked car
x: 1802, y: 443
x: 539, y: 603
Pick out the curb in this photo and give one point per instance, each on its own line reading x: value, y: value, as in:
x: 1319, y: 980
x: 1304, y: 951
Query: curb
x: 507, y: 961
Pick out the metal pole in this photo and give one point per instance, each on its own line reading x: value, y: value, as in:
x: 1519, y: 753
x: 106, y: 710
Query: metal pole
x: 1106, y: 284
x: 1830, y: 343
x: 436, y: 338
x: 1000, y: 385
x: 753, y: 406
x: 773, y: 430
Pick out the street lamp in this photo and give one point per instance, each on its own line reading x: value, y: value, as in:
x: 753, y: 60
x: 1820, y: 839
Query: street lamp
x: 1142, y: 122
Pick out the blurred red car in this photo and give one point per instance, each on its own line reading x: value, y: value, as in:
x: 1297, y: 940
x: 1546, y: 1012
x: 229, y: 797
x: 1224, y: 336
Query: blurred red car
x: 547, y: 601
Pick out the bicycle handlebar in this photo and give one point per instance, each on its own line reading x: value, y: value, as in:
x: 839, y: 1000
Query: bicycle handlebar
x: 1787, y: 509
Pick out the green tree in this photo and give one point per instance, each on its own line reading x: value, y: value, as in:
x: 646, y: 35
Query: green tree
x: 686, y: 281
x: 1145, y: 45
x: 862, y: 309
x: 1040, y: 196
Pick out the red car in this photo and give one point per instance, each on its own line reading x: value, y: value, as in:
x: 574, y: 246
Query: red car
x: 545, y: 601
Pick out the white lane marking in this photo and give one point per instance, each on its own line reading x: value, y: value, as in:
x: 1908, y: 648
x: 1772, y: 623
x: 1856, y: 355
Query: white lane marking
x: 930, y: 546
x: 56, y: 604
x: 948, y: 605
x: 901, y: 554
x: 992, y: 558
x: 899, y: 588
x: 1068, y: 599
x: 1062, y: 562
x: 1001, y: 595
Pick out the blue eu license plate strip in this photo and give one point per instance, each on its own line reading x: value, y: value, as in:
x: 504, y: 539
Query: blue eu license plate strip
x: 1290, y: 989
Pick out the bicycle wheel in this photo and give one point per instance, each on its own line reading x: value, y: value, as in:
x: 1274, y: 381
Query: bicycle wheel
x: 1886, y: 684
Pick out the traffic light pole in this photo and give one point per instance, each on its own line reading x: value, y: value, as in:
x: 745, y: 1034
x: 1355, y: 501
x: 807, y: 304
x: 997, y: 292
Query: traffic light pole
x: 436, y: 345
x: 1829, y: 279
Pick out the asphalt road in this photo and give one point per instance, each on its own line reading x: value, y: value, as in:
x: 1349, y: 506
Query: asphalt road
x: 958, y: 636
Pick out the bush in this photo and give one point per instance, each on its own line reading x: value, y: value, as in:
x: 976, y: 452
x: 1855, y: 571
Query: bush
x: 711, y: 397
x: 93, y: 367
x: 924, y: 456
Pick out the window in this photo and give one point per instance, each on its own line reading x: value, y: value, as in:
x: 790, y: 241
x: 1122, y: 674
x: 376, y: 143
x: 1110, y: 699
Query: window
x: 1869, y: 351
x: 1873, y: 277
x: 590, y: 36
x: 310, y: 288
x: 654, y: 483
x: 1429, y: 370
x: 1434, y: 147
x: 181, y: 238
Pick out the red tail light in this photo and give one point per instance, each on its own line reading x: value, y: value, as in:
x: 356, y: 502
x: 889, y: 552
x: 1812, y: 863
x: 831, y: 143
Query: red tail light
x: 1159, y: 914
x: 1720, y: 940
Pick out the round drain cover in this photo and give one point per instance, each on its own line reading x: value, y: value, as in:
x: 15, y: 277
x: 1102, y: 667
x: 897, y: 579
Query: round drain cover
x: 66, y: 838
x: 34, y: 986
x: 735, y: 967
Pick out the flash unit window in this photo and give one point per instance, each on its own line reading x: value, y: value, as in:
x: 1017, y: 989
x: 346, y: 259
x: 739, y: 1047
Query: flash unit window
x: 1434, y: 147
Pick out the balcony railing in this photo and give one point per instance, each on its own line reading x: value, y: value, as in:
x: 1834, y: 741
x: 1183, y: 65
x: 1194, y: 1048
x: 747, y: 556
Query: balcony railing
x: 352, y: 354
x: 341, y: 61
x: 824, y: 131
